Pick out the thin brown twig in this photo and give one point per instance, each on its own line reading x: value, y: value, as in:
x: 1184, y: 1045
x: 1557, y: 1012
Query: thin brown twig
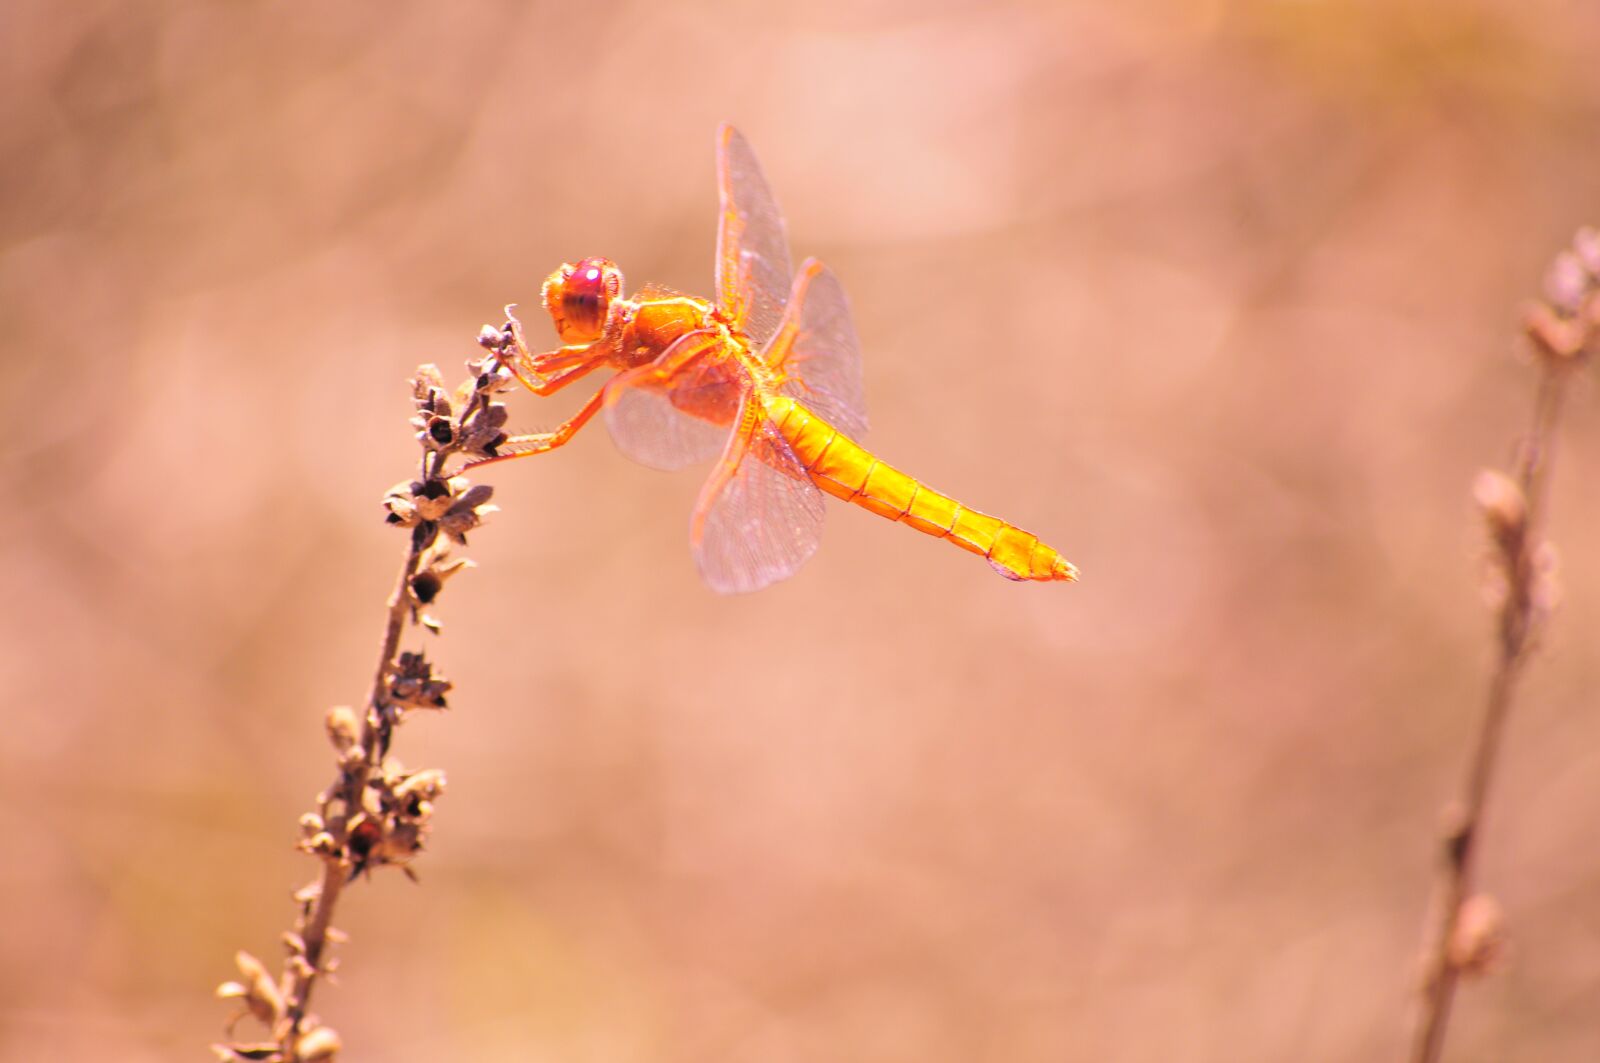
x: 349, y: 787
x: 375, y: 813
x: 1464, y: 936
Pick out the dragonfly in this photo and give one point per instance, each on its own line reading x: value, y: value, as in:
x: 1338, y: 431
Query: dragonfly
x: 765, y: 380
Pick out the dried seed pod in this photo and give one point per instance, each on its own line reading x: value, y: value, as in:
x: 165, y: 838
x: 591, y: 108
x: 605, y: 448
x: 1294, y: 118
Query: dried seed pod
x: 415, y: 686
x: 482, y: 426
x: 467, y: 512
x: 434, y: 497
x: 400, y: 506
x: 365, y: 835
x: 425, y: 586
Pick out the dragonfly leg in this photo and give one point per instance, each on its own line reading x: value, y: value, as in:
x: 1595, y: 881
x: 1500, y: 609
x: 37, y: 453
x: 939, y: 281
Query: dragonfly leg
x: 548, y: 373
x: 543, y: 442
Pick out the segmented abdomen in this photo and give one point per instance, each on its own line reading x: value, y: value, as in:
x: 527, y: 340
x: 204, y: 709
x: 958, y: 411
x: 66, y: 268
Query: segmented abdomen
x: 845, y: 469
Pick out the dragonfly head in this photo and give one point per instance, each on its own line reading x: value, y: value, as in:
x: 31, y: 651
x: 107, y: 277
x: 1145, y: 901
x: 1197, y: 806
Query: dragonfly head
x: 579, y: 298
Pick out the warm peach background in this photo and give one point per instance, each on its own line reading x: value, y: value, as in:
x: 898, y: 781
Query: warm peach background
x: 1217, y: 296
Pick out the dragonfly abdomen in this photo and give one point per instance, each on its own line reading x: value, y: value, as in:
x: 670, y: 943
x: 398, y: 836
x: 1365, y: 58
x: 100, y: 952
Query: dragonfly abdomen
x: 845, y: 469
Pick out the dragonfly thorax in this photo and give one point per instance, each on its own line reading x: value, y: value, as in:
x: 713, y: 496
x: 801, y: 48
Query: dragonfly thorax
x: 652, y: 320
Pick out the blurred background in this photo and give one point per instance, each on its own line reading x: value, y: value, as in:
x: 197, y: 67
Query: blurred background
x: 1218, y: 297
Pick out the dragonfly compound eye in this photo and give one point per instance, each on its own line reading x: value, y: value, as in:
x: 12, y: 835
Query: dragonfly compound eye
x: 579, y: 297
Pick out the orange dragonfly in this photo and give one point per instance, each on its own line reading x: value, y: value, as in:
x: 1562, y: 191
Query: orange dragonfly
x: 768, y: 377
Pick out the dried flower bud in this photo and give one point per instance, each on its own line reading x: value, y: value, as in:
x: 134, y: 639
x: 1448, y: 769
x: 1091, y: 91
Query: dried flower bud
x: 1586, y: 245
x: 317, y: 1046
x: 414, y: 686
x: 257, y: 991
x: 402, y: 842
x: 344, y: 727
x: 1544, y: 584
x: 425, y: 785
x: 1559, y: 339
x: 427, y: 381
x: 1479, y: 941
x: 1504, y: 508
x: 1567, y: 282
x: 321, y: 844
x: 264, y: 1052
x: 493, y: 339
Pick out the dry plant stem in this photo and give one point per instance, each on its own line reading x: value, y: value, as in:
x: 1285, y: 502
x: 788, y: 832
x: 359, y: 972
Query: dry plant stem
x: 375, y: 812
x: 374, y: 731
x: 1518, y: 620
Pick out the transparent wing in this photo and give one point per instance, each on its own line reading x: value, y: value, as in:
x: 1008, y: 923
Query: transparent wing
x: 652, y: 291
x: 679, y: 420
x: 759, y: 517
x: 818, y: 351
x: 651, y: 431
x: 753, y: 269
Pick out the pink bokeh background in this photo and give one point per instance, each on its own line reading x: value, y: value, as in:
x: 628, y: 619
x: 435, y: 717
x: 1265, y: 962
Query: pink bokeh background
x: 1218, y: 297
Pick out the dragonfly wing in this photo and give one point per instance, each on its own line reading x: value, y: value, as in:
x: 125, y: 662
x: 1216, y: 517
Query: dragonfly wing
x: 753, y: 267
x: 651, y: 431
x: 759, y: 516
x: 678, y: 421
x: 652, y: 291
x: 818, y: 351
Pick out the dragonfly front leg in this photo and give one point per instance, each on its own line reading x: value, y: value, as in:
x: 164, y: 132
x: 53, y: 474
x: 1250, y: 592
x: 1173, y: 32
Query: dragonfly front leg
x: 543, y: 442
x: 548, y: 373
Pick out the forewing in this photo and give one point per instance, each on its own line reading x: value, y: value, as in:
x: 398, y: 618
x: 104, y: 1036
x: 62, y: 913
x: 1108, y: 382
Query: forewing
x: 753, y: 268
x: 759, y: 517
x: 678, y: 421
x: 821, y: 356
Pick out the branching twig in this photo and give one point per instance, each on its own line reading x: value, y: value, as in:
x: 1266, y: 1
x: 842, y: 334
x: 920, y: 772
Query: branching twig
x: 1464, y: 936
x: 375, y: 812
